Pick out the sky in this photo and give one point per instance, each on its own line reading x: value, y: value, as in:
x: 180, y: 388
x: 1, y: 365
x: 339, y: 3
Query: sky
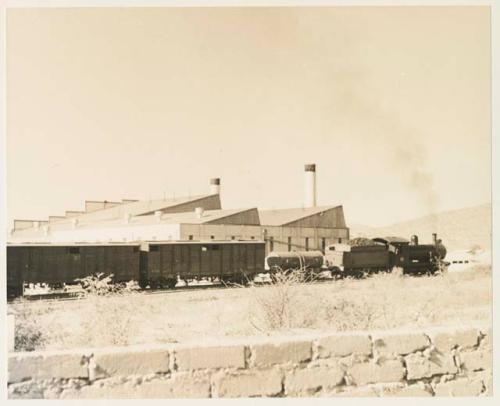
x: 391, y: 103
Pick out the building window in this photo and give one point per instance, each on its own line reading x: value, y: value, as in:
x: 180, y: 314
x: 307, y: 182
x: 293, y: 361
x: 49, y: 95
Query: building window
x: 252, y: 237
x: 74, y: 250
x: 340, y: 240
x: 323, y: 244
x: 232, y: 237
x: 289, y: 243
x: 307, y: 243
x: 271, y: 243
x: 212, y: 237
x: 190, y: 238
x: 154, y: 248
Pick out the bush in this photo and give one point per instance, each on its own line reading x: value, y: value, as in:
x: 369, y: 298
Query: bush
x: 277, y: 306
x: 29, y: 335
x: 107, y: 311
x: 102, y: 285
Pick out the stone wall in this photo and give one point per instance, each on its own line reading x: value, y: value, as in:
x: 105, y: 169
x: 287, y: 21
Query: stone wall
x: 438, y: 362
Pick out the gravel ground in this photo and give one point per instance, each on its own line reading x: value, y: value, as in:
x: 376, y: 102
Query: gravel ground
x: 383, y: 301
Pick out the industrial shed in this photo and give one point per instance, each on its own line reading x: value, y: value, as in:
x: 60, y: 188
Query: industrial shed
x: 303, y: 229
x: 193, y: 218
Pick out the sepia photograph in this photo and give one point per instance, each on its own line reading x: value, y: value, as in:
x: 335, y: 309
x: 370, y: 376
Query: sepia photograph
x: 247, y: 201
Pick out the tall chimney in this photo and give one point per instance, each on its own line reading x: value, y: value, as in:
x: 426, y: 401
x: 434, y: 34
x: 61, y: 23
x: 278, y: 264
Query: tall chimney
x: 215, y: 186
x: 310, y: 185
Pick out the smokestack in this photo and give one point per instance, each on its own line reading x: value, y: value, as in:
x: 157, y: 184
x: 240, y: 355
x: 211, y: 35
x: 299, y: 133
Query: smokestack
x: 434, y: 238
x: 158, y: 214
x: 199, y: 212
x: 310, y: 185
x: 215, y: 186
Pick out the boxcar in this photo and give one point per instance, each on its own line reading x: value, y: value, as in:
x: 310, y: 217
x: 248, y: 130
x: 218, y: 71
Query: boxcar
x: 63, y: 264
x: 162, y: 263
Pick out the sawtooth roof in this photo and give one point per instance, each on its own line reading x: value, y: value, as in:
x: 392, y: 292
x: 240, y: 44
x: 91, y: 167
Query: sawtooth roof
x: 282, y: 217
x: 136, y: 208
x: 184, y: 218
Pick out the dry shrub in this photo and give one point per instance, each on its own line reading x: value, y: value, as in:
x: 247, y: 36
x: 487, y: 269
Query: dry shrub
x: 29, y: 334
x: 276, y: 307
x: 107, y: 312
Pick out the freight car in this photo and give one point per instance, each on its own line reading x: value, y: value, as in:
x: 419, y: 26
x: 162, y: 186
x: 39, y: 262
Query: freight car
x: 163, y: 263
x: 57, y: 265
x: 309, y: 260
x: 158, y: 264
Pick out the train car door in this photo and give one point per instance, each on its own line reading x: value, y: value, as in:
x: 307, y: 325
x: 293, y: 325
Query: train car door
x: 194, y: 260
x: 154, y: 262
x: 215, y: 259
x: 227, y: 256
x: 205, y: 263
x: 167, y: 259
x: 250, y: 257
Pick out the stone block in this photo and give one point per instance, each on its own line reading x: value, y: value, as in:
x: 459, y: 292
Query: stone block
x: 343, y: 345
x: 249, y: 384
x: 476, y: 360
x: 355, y: 392
x: 399, y: 344
x: 178, y: 386
x: 459, y: 387
x: 292, y: 352
x: 301, y: 381
x: 371, y: 372
x: 210, y: 357
x: 464, y: 338
x: 124, y: 362
x: 24, y: 366
x: 419, y: 366
x: 414, y: 391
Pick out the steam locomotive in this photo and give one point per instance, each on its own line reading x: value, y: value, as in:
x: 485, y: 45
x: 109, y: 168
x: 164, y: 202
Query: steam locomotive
x: 375, y: 255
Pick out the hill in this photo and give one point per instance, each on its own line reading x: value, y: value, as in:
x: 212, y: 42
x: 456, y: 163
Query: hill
x: 459, y: 229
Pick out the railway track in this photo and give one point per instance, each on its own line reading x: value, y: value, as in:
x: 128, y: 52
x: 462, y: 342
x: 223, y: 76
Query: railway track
x: 62, y: 296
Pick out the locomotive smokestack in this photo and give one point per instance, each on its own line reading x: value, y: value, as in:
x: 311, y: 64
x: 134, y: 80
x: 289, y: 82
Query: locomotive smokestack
x: 414, y: 240
x: 310, y: 185
x: 215, y: 186
x: 434, y: 238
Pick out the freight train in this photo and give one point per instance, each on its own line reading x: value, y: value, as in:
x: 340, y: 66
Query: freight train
x: 162, y: 264
x: 158, y: 264
x: 375, y: 255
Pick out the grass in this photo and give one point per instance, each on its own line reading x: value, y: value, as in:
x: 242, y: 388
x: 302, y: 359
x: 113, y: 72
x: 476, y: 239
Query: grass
x: 383, y: 301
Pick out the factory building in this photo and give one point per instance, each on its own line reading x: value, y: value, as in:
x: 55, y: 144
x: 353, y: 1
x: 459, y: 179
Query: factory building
x: 198, y: 218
